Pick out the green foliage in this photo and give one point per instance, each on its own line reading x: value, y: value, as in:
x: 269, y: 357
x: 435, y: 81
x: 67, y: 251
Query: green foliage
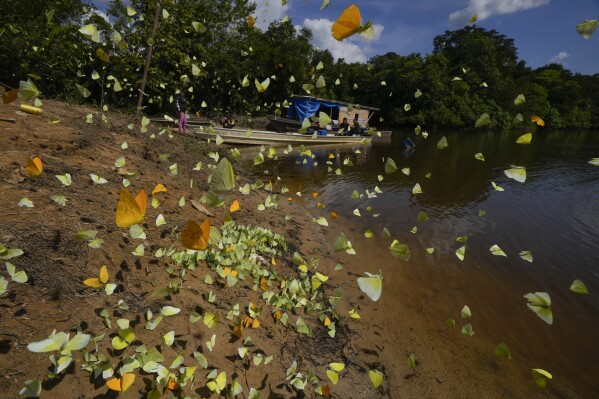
x: 206, y: 48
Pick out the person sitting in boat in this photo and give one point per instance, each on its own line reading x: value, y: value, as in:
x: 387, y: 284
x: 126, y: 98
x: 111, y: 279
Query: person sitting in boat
x: 344, y: 127
x: 356, y: 128
x: 228, y: 121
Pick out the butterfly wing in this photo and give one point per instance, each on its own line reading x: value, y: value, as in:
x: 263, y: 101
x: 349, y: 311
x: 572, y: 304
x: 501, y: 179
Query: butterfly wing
x: 376, y: 378
x: 524, y: 139
x: 103, y: 275
x: 221, y: 380
x: 348, y: 23
x: 121, y: 384
x: 537, y: 119
x: 223, y: 179
x: 234, y: 206
x: 371, y: 286
x: 196, y: 236
x: 10, y: 96
x: 128, y: 210
x: 93, y: 282
x: 142, y: 201
x: 262, y: 86
x: 34, y: 167
x: 172, y: 384
x: 159, y: 189
x: 114, y: 384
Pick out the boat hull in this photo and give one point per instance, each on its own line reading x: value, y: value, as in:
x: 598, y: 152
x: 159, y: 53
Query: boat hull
x: 282, y: 125
x: 259, y: 137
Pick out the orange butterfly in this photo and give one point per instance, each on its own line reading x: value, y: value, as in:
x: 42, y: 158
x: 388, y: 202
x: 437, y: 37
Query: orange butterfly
x: 249, y: 322
x: 172, y: 384
x: 159, y: 189
x: 536, y: 119
x: 348, y: 23
x: 263, y: 283
x: 34, y: 167
x: 98, y: 282
x: 196, y: 236
x: 234, y: 206
x: 228, y: 271
x: 129, y: 210
x: 10, y: 96
x: 121, y: 384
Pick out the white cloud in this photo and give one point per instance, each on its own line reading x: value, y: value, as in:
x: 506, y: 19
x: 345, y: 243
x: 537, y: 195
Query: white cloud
x: 353, y: 49
x: 102, y: 4
x: 268, y: 11
x: 97, y: 12
x: 487, y: 8
x: 560, y: 57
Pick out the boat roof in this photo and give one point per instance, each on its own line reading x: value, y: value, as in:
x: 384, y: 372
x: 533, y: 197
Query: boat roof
x: 310, y: 98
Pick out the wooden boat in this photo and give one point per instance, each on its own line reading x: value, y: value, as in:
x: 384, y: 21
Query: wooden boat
x: 301, y: 107
x: 191, y: 122
x: 259, y: 137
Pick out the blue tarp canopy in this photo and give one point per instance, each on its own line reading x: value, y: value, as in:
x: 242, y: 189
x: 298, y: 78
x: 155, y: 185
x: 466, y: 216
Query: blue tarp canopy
x: 302, y: 108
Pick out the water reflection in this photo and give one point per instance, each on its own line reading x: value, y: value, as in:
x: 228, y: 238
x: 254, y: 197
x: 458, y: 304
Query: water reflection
x: 556, y: 207
x: 554, y: 214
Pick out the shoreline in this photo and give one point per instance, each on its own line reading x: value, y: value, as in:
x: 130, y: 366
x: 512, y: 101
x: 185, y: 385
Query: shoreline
x: 409, y: 317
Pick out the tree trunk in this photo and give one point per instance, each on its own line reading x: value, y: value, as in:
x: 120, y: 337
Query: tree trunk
x: 148, y: 61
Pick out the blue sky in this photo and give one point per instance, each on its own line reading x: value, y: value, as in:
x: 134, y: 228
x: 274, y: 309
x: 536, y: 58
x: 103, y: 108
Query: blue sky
x: 544, y: 30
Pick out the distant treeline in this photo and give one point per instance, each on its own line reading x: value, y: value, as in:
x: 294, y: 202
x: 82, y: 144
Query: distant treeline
x: 207, y: 47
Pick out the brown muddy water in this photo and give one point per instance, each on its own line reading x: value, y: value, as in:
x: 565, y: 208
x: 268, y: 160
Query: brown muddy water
x: 554, y: 214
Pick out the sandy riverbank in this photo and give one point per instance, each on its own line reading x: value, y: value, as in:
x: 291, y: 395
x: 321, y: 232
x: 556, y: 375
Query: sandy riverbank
x: 409, y: 318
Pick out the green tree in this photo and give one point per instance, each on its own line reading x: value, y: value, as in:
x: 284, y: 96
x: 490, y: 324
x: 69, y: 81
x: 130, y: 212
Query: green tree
x: 41, y: 38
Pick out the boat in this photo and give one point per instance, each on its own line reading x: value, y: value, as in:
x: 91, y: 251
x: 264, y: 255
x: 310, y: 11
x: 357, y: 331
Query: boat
x: 191, y: 122
x: 259, y: 137
x: 303, y: 107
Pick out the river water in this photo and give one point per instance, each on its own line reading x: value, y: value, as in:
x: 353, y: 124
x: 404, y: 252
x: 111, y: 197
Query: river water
x: 554, y: 214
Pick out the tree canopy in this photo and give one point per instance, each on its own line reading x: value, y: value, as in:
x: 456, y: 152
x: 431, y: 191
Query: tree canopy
x: 208, y: 48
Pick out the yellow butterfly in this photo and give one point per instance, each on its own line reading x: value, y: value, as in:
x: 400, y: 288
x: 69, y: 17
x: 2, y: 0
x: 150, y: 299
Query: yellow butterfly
x: 34, y: 167
x: 98, y: 282
x: 348, y: 23
x: 159, y: 189
x: 251, y: 22
x: 536, y: 119
x: 249, y: 322
x: 129, y: 210
x: 228, y: 271
x: 234, y: 206
x: 261, y: 87
x: 196, y: 236
x: 121, y: 384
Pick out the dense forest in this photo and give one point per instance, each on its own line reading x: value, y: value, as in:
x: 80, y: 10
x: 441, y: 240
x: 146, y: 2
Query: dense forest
x: 208, y: 48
